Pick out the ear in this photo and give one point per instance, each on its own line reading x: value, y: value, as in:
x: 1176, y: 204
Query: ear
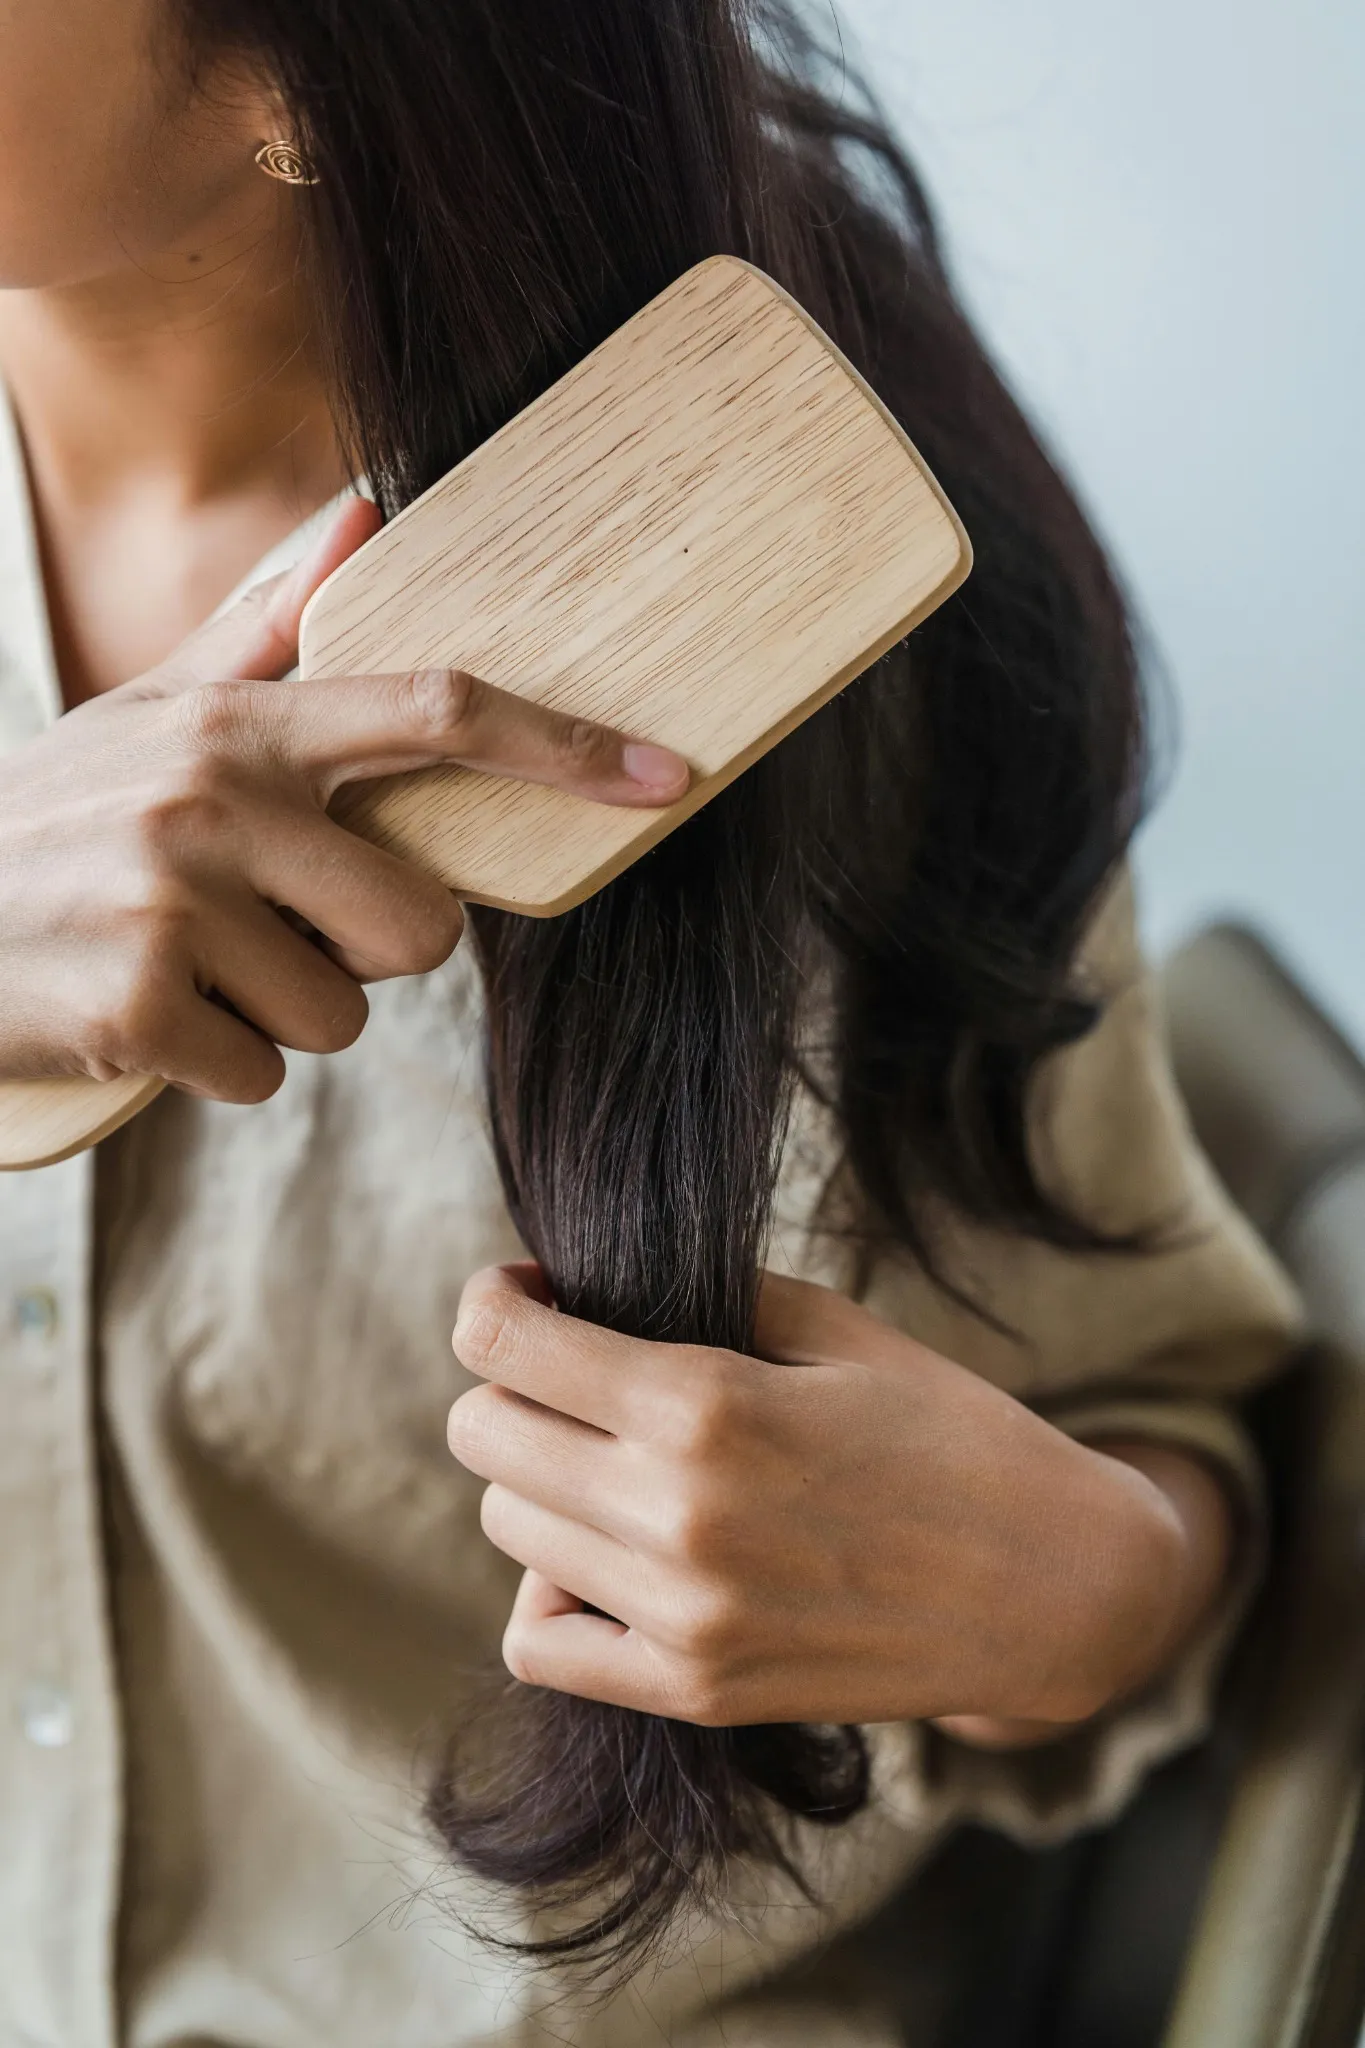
x: 243, y: 100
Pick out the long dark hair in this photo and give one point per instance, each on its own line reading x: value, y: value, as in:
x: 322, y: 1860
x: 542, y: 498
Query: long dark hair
x: 501, y: 186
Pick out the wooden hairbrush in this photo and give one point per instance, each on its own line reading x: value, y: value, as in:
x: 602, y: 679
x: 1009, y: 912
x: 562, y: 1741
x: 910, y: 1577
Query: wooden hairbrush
x: 699, y: 535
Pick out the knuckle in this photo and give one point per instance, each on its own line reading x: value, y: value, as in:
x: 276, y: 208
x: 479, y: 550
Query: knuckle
x: 704, y: 1522
x: 582, y: 746
x: 714, y: 1624
x: 211, y: 716
x: 686, y: 1529
x: 430, y: 935
x: 153, y: 927
x: 193, y: 802
x: 700, y: 1694
x: 338, y: 1026
x: 487, y: 1334
x: 128, y: 1025
x: 253, y: 602
x: 441, y: 699
x: 711, y: 1412
x: 153, y: 913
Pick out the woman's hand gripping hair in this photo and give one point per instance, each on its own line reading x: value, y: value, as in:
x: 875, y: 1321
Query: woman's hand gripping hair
x: 871, y: 1534
x: 151, y: 838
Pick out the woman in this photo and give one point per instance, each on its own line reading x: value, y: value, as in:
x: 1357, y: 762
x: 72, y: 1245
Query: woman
x: 1004, y: 1521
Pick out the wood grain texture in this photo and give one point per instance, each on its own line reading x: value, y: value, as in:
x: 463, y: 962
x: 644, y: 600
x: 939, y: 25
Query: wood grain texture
x: 699, y: 535
x: 44, y: 1121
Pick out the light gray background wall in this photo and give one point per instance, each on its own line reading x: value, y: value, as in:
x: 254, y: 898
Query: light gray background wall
x: 1156, y: 211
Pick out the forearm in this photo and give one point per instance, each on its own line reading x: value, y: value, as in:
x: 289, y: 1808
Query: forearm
x: 1178, y: 1592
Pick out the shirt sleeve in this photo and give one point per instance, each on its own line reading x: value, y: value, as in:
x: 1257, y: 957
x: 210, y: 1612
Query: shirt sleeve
x: 1158, y: 1343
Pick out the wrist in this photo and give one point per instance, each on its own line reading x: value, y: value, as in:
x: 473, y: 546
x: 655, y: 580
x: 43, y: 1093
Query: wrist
x: 1118, y: 1569
x: 1159, y: 1535
x: 1139, y: 1571
x: 1200, y: 1511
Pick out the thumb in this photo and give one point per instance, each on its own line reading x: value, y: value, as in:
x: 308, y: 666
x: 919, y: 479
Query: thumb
x: 257, y: 639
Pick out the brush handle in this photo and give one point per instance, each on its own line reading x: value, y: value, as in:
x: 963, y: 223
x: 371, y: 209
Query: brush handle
x: 44, y: 1121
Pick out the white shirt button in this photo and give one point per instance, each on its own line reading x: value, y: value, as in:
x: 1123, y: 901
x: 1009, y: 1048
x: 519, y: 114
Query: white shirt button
x: 36, y: 1314
x: 47, y: 1715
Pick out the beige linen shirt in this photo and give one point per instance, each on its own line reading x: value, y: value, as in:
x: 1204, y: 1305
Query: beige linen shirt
x: 244, y: 1584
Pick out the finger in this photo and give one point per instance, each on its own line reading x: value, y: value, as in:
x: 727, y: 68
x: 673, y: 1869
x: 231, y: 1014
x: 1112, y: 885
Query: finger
x: 801, y: 1323
x: 593, y: 1567
x: 548, y: 1458
x: 208, y: 1052
x: 359, y: 966
x: 258, y: 636
x: 279, y: 982
x: 539, y: 1599
x: 572, y: 1367
x: 550, y: 1641
x: 383, y: 916
x: 530, y: 1278
x: 352, y: 728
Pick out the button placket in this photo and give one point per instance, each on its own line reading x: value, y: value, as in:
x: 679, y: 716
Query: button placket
x: 37, y: 1317
x: 59, y: 1765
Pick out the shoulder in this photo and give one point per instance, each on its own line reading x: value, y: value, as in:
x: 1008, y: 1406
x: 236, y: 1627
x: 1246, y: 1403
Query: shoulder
x: 1111, y: 1138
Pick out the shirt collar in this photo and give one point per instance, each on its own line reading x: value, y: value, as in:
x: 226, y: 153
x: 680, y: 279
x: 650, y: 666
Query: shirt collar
x: 30, y: 695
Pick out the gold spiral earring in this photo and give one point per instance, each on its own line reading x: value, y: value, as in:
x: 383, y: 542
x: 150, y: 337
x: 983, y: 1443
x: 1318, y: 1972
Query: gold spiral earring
x: 287, y: 162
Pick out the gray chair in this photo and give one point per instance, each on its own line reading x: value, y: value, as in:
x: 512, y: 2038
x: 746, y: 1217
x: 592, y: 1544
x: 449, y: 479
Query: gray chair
x: 1226, y: 1909
x: 1277, y: 1958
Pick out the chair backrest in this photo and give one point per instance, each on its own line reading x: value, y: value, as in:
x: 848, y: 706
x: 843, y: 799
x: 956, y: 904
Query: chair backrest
x: 1277, y: 1096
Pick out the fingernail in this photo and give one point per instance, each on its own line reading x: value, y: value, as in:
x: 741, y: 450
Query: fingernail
x: 656, y: 768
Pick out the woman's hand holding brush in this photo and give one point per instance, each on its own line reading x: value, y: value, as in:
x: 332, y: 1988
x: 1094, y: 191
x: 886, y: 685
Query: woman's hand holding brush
x: 151, y: 838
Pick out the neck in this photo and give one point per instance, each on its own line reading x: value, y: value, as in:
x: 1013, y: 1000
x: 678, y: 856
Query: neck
x: 176, y: 425
x: 189, y: 381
